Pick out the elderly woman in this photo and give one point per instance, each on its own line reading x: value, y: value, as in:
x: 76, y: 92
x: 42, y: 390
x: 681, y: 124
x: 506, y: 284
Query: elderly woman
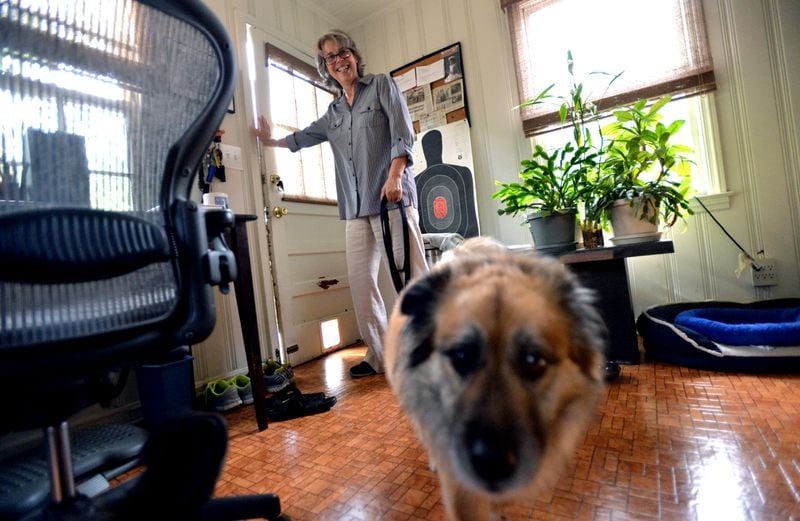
x: 369, y: 129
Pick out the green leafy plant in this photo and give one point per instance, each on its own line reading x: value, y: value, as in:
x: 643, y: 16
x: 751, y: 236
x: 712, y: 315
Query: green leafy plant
x: 568, y: 176
x: 550, y: 183
x: 643, y: 166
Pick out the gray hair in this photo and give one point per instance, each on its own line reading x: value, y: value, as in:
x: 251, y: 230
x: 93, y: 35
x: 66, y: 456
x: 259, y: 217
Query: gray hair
x: 345, y: 41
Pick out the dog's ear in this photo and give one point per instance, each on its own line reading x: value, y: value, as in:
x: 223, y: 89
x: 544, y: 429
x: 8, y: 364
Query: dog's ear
x: 418, y: 302
x: 419, y: 299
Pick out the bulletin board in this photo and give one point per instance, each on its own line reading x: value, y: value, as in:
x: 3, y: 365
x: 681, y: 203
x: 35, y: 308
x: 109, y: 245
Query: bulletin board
x: 434, y: 88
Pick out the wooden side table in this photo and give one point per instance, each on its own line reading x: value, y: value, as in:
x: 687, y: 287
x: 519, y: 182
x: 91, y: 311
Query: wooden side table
x: 604, y: 270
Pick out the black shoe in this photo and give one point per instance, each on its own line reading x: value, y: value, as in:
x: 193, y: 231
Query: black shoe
x: 361, y: 370
x: 291, y: 403
x: 612, y: 370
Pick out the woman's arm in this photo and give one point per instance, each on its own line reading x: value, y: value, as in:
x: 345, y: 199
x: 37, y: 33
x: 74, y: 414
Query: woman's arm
x: 393, y: 187
x: 402, y: 137
x: 401, y: 128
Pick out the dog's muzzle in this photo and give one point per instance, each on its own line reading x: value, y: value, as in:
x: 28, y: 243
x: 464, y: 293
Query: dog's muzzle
x: 493, y: 454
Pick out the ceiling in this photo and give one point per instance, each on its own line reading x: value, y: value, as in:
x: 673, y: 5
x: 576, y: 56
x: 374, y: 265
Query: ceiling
x: 349, y: 12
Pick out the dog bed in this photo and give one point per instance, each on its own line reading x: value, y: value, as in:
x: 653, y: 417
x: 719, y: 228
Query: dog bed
x: 728, y: 336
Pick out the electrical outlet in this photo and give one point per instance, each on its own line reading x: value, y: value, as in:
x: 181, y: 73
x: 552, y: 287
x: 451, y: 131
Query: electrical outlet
x: 767, y: 275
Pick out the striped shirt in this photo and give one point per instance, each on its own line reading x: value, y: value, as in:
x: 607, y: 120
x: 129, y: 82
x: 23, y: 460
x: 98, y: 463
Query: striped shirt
x: 364, y: 138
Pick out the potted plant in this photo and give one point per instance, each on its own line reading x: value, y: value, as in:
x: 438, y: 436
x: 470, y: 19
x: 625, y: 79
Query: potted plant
x: 646, y: 176
x: 566, y: 180
x: 548, y: 194
x: 594, y: 217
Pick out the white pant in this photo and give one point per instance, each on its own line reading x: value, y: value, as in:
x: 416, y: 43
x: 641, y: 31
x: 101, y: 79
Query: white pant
x: 364, y: 251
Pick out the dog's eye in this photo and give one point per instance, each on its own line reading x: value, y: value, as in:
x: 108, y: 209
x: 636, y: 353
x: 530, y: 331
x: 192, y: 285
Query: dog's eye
x: 464, y: 358
x: 532, y: 366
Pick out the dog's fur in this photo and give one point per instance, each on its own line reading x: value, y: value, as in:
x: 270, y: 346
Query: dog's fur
x: 496, y: 357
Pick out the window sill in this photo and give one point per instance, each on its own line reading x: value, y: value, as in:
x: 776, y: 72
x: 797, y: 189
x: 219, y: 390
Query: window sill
x: 718, y: 201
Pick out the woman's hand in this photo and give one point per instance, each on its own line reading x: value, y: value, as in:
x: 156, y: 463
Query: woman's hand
x: 392, y: 189
x: 263, y: 131
x: 264, y: 134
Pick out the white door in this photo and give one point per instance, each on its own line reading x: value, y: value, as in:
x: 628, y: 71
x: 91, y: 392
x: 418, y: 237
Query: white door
x: 313, y: 305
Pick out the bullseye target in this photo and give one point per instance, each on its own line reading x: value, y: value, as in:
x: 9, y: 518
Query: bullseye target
x: 447, y: 200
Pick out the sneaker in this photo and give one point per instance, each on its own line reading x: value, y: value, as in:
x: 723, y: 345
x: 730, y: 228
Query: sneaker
x: 271, y: 366
x: 361, y: 370
x: 222, y: 396
x: 277, y: 377
x: 242, y: 384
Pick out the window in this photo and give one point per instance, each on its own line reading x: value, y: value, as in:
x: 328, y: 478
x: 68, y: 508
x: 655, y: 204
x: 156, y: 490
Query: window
x: 663, y: 51
x: 52, y: 97
x: 696, y: 133
x: 297, y: 98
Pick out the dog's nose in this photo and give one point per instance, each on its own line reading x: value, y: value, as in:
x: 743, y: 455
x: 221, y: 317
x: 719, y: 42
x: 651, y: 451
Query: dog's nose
x: 492, y: 453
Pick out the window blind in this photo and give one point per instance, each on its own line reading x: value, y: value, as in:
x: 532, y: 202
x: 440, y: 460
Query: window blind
x: 661, y: 48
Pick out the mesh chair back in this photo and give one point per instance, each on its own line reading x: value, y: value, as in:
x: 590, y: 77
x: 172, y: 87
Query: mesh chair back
x: 107, y: 107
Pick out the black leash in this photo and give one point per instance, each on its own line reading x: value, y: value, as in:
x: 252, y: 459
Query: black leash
x: 387, y: 243
x: 755, y: 263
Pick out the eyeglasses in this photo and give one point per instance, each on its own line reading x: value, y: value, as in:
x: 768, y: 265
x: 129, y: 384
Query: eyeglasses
x: 343, y: 54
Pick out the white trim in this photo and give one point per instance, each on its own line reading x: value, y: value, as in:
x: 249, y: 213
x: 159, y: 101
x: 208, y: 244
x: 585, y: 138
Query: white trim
x: 718, y: 201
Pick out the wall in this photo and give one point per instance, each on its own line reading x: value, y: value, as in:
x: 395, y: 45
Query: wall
x: 754, y: 45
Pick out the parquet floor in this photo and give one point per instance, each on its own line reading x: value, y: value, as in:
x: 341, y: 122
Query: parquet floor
x: 668, y: 443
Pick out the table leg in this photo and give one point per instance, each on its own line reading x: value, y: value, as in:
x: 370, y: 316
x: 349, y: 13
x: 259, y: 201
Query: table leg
x: 610, y: 280
x: 245, y: 300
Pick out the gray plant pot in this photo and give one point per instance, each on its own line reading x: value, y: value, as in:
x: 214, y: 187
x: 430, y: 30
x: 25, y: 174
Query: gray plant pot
x: 554, y: 233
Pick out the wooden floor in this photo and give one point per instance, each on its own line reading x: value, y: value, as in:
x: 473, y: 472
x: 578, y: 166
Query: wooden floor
x: 668, y: 443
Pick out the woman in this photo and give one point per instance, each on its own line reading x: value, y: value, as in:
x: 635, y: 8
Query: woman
x: 369, y: 129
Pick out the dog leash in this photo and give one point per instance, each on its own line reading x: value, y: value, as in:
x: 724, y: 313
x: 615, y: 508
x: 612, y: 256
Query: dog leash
x: 387, y: 243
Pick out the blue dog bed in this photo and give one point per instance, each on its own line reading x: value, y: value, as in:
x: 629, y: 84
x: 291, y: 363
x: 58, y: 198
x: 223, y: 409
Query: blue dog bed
x: 728, y: 336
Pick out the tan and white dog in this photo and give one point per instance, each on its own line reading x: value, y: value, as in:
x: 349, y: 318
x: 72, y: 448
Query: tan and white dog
x: 497, y: 358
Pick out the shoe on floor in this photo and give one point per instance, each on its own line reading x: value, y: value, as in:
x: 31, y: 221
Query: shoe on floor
x: 277, y: 377
x: 243, y: 387
x: 361, y: 370
x: 294, y: 404
x: 222, y: 396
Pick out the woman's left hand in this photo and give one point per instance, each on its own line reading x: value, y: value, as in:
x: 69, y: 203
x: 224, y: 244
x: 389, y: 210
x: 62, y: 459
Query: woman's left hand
x: 392, y: 189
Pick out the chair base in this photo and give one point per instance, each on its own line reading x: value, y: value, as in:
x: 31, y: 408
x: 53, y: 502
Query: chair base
x: 105, y: 451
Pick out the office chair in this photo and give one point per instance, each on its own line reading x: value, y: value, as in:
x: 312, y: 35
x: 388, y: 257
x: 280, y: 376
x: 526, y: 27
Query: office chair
x: 105, y: 261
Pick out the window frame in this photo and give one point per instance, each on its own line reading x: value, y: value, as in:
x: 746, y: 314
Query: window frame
x: 302, y: 71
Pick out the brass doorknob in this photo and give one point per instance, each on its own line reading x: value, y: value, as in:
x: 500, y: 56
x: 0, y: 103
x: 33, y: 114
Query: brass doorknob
x: 279, y: 211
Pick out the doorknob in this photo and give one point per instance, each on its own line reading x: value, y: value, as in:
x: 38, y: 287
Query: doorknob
x: 279, y: 211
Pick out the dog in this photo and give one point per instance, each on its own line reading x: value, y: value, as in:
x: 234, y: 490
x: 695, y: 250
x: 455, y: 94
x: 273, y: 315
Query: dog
x: 497, y: 359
